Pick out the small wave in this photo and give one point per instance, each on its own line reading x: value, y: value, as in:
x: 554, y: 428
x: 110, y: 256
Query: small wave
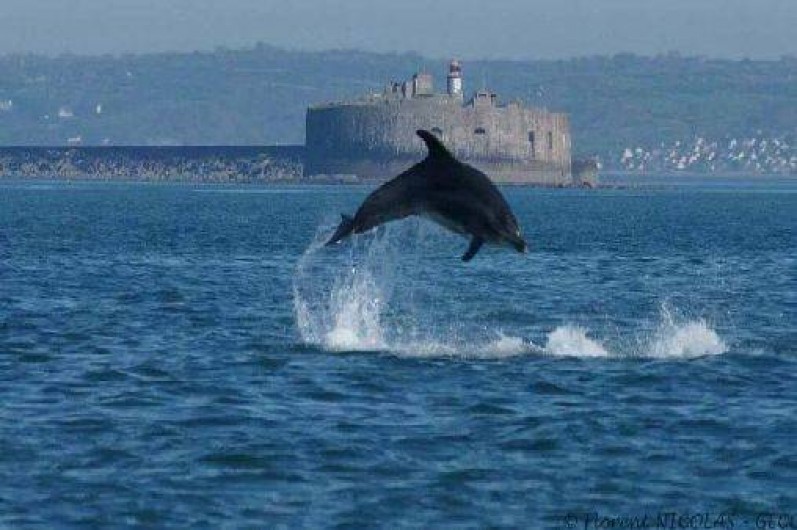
x: 31, y: 187
x: 254, y: 191
x: 500, y: 347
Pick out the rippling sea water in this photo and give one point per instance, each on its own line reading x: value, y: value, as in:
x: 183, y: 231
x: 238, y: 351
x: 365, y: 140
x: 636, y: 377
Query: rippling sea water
x: 175, y: 356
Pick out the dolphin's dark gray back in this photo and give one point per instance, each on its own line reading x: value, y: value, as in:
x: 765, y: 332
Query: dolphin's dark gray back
x: 399, y: 197
x: 457, y: 195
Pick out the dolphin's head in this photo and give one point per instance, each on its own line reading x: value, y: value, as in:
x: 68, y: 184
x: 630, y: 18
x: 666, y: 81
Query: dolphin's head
x: 510, y: 234
x: 517, y: 242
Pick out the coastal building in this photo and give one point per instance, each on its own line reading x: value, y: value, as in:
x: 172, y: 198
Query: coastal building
x: 374, y: 137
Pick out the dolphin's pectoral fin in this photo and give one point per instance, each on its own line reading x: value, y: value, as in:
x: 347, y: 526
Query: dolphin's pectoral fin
x: 475, y: 244
x: 345, y: 228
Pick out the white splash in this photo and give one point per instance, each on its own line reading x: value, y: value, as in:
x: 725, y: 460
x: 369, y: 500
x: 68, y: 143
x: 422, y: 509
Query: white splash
x: 671, y: 340
x: 572, y: 341
x: 688, y: 339
x: 343, y: 302
x: 507, y: 346
x: 356, y: 306
x: 345, y: 314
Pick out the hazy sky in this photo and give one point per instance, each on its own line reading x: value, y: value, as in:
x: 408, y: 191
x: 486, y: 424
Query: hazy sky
x: 437, y: 28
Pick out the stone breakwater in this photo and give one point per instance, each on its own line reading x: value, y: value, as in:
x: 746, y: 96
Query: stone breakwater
x: 211, y: 164
x: 175, y: 164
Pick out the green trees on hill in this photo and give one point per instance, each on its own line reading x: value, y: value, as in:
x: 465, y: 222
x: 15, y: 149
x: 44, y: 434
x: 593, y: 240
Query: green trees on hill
x: 259, y: 95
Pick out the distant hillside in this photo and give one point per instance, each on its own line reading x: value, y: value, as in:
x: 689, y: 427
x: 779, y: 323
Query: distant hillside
x: 259, y: 96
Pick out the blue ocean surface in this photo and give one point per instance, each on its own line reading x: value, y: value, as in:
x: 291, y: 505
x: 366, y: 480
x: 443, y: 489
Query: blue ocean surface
x: 176, y: 356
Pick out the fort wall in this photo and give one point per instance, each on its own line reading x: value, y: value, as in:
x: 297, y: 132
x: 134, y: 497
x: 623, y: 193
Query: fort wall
x: 375, y: 138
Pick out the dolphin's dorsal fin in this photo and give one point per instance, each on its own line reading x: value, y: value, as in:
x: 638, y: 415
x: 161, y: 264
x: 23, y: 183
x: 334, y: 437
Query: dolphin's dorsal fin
x: 434, y: 145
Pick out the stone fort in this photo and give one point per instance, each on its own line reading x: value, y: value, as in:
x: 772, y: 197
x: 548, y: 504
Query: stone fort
x: 374, y: 137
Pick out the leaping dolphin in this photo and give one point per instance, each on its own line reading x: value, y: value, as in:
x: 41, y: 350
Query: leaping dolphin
x: 457, y: 196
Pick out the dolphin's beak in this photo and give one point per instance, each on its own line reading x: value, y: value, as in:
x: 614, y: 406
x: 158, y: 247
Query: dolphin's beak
x: 519, y: 244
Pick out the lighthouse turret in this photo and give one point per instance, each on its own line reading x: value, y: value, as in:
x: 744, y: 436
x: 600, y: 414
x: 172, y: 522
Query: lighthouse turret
x: 455, y: 79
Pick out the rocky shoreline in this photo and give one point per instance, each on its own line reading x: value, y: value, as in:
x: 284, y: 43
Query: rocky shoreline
x: 152, y: 164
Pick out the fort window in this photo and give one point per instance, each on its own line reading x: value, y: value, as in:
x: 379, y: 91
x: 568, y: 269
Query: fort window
x: 531, y: 142
x: 550, y: 140
x: 437, y: 131
x: 479, y: 130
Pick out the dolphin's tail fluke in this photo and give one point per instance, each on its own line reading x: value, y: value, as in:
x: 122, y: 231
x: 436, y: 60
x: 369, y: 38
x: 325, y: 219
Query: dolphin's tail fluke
x: 345, y: 228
